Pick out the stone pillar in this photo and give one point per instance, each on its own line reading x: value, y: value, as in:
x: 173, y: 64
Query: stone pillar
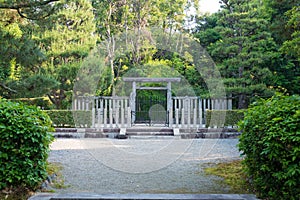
x: 133, y: 99
x: 200, y: 118
x: 169, y: 103
x: 177, y: 117
x: 75, y: 104
x: 129, y: 117
x: 93, y: 117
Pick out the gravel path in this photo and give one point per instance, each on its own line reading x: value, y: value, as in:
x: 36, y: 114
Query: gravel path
x: 141, y: 166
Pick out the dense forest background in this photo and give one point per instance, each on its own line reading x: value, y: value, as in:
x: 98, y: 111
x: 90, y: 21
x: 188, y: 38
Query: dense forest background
x: 43, y: 43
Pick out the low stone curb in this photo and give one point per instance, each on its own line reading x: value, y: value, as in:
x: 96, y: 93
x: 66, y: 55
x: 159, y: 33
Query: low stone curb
x: 49, y: 196
x: 201, y: 133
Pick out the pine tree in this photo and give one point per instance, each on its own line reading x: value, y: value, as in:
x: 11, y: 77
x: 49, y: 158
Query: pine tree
x: 244, y: 51
x: 67, y: 38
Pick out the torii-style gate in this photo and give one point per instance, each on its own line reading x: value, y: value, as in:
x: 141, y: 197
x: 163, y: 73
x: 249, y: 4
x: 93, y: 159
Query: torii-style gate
x: 117, y: 112
x: 135, y: 87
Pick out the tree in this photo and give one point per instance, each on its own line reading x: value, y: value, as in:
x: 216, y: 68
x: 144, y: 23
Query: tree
x: 244, y: 50
x: 20, y: 53
x: 275, y: 11
x: 30, y: 9
x: 127, y: 16
x: 291, y: 47
x: 283, y: 19
x: 67, y: 38
x: 292, y: 50
x: 205, y: 30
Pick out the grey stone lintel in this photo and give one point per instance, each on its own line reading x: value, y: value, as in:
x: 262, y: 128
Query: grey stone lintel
x: 150, y: 80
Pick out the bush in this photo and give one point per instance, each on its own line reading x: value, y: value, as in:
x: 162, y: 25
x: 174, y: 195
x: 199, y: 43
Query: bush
x: 68, y: 118
x: 24, y: 145
x: 271, y: 144
x: 221, y: 118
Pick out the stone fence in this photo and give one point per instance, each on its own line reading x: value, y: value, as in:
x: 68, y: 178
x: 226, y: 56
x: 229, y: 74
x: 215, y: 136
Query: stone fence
x: 118, y: 112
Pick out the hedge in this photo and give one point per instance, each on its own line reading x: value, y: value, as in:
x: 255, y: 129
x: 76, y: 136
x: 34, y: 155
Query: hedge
x: 221, y: 118
x: 24, y: 145
x: 270, y: 141
x: 69, y: 118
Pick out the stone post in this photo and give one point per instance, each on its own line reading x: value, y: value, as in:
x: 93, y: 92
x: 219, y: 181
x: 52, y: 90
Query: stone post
x: 133, y: 99
x: 169, y: 103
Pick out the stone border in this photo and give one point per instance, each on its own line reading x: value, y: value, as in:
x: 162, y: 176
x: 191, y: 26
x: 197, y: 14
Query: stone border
x: 84, y: 196
x: 201, y: 133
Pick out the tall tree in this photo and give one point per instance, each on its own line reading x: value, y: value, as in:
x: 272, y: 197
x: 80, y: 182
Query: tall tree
x: 244, y: 50
x: 205, y: 30
x: 125, y: 16
x: 291, y: 49
x: 275, y: 11
x: 19, y: 51
x: 283, y: 17
x: 67, y: 38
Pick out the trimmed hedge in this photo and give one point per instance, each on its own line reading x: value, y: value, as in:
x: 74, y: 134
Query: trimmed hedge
x: 69, y: 118
x: 271, y: 144
x: 24, y: 145
x: 221, y: 118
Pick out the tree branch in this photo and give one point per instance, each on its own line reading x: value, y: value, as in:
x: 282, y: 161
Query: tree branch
x: 32, y: 18
x: 7, y: 88
x: 25, y: 5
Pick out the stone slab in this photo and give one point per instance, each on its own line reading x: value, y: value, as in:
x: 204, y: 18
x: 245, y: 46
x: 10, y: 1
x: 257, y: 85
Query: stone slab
x: 83, y: 196
x: 176, y: 131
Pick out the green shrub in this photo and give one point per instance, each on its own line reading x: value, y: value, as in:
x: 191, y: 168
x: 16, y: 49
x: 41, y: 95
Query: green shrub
x: 68, y: 118
x: 271, y: 144
x: 221, y: 118
x: 24, y: 145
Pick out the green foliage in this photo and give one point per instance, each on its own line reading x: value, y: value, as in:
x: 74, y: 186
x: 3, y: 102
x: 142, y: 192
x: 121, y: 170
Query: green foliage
x: 30, y: 9
x: 221, y: 118
x: 243, y: 51
x: 276, y: 10
x: 18, y: 49
x: 284, y: 26
x: 205, y: 30
x: 291, y: 47
x: 270, y: 142
x: 24, y: 145
x: 35, y: 85
x: 68, y: 118
x: 67, y: 37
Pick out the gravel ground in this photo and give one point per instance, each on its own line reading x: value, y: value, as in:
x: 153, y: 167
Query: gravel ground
x: 106, y: 166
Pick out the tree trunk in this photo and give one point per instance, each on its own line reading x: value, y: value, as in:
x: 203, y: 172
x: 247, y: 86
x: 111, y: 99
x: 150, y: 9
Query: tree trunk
x: 57, y: 97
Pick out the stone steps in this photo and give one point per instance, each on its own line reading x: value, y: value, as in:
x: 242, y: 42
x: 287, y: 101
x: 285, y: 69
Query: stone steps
x: 149, y: 131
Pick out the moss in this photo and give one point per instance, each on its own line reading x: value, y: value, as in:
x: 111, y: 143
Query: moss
x: 59, y: 182
x: 233, y: 175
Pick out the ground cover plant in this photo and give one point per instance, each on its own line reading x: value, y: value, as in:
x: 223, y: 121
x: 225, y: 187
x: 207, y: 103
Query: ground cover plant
x: 271, y: 144
x: 24, y: 146
x: 233, y: 175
